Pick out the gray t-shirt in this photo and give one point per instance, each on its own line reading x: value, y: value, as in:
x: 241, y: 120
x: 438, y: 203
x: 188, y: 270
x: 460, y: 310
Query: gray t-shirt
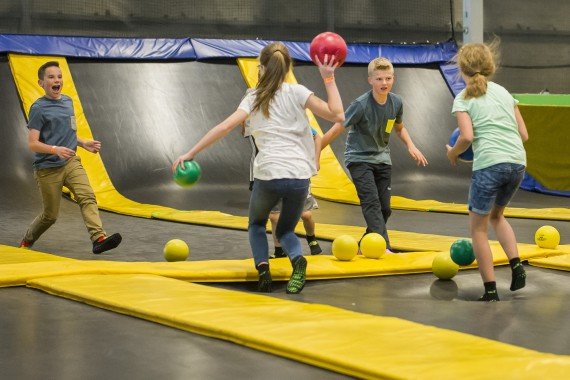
x: 55, y: 119
x: 372, y: 125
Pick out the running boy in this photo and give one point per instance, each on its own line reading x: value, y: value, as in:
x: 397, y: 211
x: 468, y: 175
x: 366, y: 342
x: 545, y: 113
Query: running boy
x: 53, y: 137
x: 372, y: 117
x: 489, y: 118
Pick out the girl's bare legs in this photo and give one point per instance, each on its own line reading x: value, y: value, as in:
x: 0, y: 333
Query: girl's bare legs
x: 508, y: 241
x: 479, y: 236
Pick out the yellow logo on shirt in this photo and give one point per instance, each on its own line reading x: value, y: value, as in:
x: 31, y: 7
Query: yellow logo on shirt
x: 390, y: 125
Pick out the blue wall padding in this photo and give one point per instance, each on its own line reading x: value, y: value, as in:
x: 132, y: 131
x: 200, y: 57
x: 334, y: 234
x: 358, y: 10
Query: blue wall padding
x: 452, y: 76
x: 357, y: 53
x: 531, y: 184
x: 165, y: 48
x: 102, y: 48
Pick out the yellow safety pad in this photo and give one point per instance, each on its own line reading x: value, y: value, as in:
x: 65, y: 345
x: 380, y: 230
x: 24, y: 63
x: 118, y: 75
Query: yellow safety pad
x: 355, y: 344
x: 331, y: 181
x: 13, y: 255
x: 560, y: 262
x: 319, y: 267
x: 333, y: 184
x: 25, y: 69
x: 402, y: 241
x: 547, y: 147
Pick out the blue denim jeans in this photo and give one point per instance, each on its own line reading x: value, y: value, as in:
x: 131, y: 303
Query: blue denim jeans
x: 495, y: 185
x: 264, y: 196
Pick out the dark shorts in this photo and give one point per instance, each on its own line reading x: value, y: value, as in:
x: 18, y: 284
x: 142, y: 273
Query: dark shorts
x: 495, y: 185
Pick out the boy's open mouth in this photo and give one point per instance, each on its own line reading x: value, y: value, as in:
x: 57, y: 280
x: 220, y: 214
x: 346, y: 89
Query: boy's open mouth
x: 56, y: 88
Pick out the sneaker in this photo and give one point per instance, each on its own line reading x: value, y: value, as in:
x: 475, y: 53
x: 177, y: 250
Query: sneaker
x: 491, y: 296
x: 297, y: 281
x: 105, y: 243
x: 315, y: 247
x: 25, y: 244
x: 264, y: 282
x: 279, y: 253
x: 519, y: 277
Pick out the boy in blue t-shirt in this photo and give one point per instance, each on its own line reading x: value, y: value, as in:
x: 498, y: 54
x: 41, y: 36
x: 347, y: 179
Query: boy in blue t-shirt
x: 372, y: 117
x: 53, y: 137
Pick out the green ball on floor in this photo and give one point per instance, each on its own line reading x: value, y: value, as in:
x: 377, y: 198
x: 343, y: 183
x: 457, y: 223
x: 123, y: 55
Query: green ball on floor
x: 462, y: 252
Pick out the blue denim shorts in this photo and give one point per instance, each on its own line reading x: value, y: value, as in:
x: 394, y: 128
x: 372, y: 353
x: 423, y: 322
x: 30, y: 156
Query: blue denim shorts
x: 495, y: 185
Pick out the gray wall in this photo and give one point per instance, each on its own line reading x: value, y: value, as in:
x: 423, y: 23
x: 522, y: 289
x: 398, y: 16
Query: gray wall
x: 535, y: 42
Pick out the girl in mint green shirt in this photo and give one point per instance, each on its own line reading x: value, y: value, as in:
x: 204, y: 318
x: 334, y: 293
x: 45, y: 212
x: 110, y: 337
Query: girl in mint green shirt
x: 490, y: 120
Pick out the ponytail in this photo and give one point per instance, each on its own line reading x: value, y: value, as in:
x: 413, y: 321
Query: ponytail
x: 276, y: 60
x: 477, y: 63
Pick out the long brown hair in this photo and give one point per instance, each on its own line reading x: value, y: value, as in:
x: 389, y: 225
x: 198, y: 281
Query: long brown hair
x: 276, y: 60
x: 478, y: 62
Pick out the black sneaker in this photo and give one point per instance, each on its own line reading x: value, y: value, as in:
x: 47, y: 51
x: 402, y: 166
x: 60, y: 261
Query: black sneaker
x: 519, y: 277
x: 279, y: 253
x: 106, y: 243
x: 264, y: 282
x: 297, y: 281
x: 491, y: 296
x: 25, y: 244
x: 315, y: 247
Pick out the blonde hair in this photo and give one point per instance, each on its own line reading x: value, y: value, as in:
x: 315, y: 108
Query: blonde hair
x: 380, y: 63
x: 276, y: 60
x: 478, y: 63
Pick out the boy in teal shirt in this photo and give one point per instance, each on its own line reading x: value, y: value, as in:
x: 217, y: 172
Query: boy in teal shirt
x: 53, y: 137
x: 372, y: 118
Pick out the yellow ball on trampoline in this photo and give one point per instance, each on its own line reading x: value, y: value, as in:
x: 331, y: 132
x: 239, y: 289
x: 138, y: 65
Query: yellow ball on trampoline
x: 345, y: 248
x: 373, y: 246
x: 547, y: 237
x: 443, y: 266
x: 176, y: 250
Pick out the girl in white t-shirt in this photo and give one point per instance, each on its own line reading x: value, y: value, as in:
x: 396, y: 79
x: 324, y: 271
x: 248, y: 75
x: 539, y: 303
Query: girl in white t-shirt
x: 286, y: 160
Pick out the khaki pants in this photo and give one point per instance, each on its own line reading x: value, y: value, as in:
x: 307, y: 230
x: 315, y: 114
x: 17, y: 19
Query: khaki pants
x: 50, y: 182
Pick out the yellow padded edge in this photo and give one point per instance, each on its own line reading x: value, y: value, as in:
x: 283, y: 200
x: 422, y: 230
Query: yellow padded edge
x: 13, y: 255
x: 560, y: 262
x: 360, y: 345
x: 333, y: 184
x: 319, y: 267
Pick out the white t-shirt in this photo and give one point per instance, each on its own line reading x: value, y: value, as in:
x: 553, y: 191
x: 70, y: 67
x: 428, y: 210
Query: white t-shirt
x: 284, y: 140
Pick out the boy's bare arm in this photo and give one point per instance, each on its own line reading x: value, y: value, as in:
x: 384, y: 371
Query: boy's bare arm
x: 35, y: 145
x: 318, y: 142
x: 331, y: 134
x: 414, y: 152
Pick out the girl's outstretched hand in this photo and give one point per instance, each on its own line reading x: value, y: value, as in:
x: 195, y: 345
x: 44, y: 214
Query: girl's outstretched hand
x: 180, y: 160
x: 327, y: 67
